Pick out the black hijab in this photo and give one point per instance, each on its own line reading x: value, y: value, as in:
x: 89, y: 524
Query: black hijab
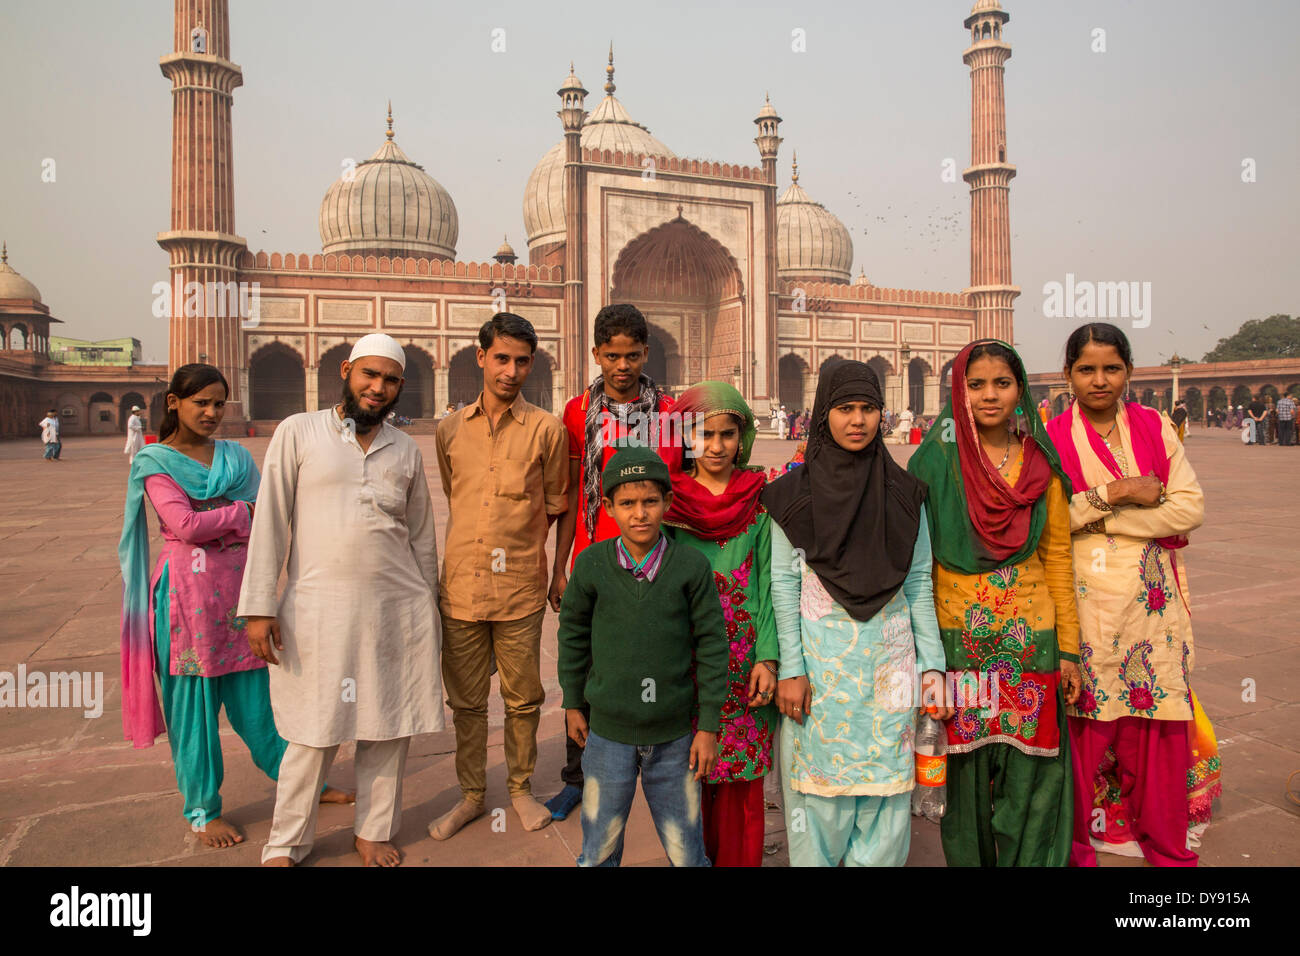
x: 855, y: 515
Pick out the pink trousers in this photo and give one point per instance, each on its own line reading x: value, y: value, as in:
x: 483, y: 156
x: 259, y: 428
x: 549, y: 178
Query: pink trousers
x: 1152, y: 762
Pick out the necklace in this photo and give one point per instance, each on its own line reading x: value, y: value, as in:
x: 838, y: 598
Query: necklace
x: 1006, y: 454
x: 1114, y: 421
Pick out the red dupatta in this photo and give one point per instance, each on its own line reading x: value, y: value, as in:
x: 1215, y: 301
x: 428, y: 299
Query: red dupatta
x: 715, y: 517
x: 1000, y: 513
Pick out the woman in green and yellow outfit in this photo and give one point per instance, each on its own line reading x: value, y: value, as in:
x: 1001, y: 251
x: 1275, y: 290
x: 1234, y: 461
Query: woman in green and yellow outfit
x: 1004, y: 594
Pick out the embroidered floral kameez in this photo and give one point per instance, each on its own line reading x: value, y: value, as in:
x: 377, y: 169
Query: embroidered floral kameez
x: 854, y: 609
x: 1005, y: 603
x: 733, y: 531
x: 1133, y: 725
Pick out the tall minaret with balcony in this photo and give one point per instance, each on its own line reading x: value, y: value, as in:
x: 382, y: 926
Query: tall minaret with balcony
x: 989, y: 174
x: 768, y: 142
x: 572, y: 114
x: 201, y: 240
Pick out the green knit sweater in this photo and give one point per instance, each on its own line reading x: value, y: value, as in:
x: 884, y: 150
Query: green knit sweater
x: 626, y: 645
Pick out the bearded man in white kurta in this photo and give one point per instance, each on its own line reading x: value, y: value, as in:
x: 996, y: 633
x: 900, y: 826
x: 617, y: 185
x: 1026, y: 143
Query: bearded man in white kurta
x: 357, y: 633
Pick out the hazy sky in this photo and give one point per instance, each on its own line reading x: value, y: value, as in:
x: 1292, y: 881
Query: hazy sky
x: 1130, y: 160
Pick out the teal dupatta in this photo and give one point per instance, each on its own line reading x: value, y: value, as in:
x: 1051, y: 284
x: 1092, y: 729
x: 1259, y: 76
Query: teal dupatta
x: 232, y: 475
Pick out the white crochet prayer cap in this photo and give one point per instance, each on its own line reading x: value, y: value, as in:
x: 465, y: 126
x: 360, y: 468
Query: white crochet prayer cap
x: 377, y: 343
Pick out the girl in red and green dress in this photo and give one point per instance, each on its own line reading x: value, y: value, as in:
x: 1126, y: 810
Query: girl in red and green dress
x: 715, y: 509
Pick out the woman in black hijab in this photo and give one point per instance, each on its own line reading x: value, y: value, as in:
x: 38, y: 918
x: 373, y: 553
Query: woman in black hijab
x: 855, y: 618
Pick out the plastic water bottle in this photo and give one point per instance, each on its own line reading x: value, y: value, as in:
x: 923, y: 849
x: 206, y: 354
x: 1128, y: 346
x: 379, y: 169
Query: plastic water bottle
x: 930, y: 795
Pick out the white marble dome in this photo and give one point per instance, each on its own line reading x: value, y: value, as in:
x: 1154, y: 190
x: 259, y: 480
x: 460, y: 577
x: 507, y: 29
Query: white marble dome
x: 13, y: 285
x: 608, y: 126
x: 390, y: 206
x: 811, y: 242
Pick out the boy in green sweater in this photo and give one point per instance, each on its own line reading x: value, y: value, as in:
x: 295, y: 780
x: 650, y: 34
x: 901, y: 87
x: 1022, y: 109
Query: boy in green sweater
x: 636, y: 610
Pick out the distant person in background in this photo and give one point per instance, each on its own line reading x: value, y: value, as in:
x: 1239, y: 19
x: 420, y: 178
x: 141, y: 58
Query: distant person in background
x: 1286, y: 406
x: 1270, y: 421
x: 134, y: 434
x: 50, y: 435
x: 1255, y: 422
x: 782, y: 423
x: 1179, y: 419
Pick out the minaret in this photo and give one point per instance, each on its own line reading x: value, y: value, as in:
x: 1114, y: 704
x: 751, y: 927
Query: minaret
x: 201, y: 241
x: 768, y: 142
x: 572, y: 95
x: 989, y: 174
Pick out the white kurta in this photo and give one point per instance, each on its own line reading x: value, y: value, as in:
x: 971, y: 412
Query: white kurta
x: 358, y: 616
x: 134, y: 436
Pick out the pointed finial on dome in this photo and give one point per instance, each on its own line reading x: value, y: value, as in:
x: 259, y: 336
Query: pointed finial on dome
x: 390, y: 121
x: 609, y: 70
x: 794, y: 175
x: 4, y: 253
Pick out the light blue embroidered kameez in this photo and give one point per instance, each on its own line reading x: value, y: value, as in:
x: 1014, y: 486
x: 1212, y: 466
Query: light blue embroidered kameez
x: 847, y: 772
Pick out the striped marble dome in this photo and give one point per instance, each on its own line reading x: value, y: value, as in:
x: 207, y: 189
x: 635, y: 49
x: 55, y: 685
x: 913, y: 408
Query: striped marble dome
x: 608, y: 126
x: 811, y: 242
x: 12, y: 284
x: 389, y: 207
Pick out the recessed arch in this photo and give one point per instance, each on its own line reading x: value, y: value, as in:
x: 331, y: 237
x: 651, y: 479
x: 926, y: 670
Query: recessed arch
x: 124, y: 406
x: 685, y: 278
x: 416, y: 400
x: 883, y: 369
x: 276, y: 382
x: 664, y: 363
x: 537, y: 387
x: 794, y: 376
x: 464, y: 377
x: 917, y: 369
x: 329, y: 383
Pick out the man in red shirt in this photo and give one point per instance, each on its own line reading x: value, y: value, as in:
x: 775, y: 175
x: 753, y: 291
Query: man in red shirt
x: 622, y: 404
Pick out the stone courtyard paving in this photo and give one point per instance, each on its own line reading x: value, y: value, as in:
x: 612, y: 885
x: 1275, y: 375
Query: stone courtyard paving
x: 73, y: 792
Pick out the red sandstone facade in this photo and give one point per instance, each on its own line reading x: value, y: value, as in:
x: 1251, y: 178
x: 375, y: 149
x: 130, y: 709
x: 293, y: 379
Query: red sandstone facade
x: 736, y: 283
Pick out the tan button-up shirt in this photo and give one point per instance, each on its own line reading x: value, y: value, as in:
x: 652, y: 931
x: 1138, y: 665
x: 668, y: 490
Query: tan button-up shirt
x: 501, y: 484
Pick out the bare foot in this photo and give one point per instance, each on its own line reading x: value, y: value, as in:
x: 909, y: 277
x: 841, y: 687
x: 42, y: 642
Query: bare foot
x: 219, y: 834
x: 279, y: 861
x: 335, y: 795
x: 377, y: 854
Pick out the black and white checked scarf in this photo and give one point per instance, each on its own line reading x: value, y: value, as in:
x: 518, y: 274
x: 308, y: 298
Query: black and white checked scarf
x: 646, y: 403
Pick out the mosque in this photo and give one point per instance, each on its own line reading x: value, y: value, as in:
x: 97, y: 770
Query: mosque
x: 740, y: 280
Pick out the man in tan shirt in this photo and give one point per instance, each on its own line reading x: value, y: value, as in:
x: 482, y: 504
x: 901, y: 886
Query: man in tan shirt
x: 505, y: 471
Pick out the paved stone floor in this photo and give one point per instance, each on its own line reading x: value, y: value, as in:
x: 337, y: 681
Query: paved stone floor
x: 72, y: 792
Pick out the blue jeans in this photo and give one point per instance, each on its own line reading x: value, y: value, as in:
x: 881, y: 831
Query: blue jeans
x: 670, y: 789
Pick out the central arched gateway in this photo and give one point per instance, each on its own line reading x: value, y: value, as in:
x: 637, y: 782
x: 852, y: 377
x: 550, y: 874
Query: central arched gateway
x: 690, y: 290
